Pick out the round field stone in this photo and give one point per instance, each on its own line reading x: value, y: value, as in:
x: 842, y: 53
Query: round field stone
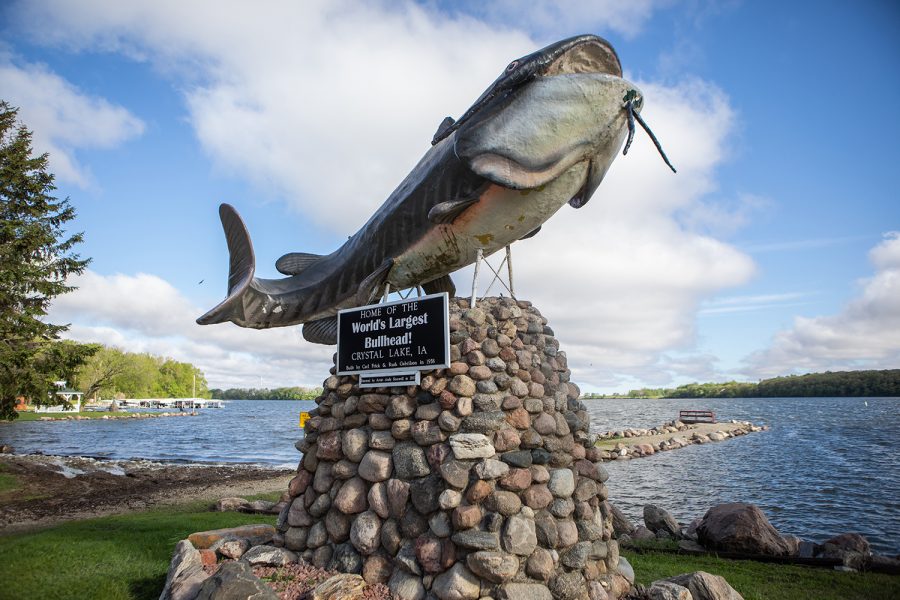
x: 519, y: 536
x: 457, y: 583
x: 471, y: 445
x: 518, y: 458
x: 375, y: 466
x: 354, y: 444
x: 351, y: 498
x: 365, y: 533
x: 462, y: 385
x: 409, y: 461
x: 537, y: 497
x: 562, y: 483
x: 496, y: 567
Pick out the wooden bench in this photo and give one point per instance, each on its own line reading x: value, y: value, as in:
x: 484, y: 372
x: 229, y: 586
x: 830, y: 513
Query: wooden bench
x: 696, y: 416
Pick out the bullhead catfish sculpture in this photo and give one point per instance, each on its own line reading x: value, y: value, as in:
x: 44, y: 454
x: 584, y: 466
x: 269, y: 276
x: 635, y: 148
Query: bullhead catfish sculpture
x: 542, y: 135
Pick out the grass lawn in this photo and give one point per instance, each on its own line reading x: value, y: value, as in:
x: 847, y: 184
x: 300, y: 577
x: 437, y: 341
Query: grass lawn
x: 124, y: 556
x: 127, y: 556
x: 768, y: 581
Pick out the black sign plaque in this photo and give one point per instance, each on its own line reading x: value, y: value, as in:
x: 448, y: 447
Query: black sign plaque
x: 405, y: 335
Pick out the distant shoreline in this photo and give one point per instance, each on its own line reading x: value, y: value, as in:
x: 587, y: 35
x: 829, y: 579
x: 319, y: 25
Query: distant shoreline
x: 614, y: 397
x: 839, y: 384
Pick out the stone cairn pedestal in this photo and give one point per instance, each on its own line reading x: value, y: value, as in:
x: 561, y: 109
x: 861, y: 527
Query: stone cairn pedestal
x: 482, y: 481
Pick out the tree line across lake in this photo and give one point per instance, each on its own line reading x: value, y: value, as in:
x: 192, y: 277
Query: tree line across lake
x: 282, y: 393
x: 829, y: 384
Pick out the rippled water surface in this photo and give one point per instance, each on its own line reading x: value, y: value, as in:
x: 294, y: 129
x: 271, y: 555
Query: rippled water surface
x: 244, y: 431
x: 826, y: 466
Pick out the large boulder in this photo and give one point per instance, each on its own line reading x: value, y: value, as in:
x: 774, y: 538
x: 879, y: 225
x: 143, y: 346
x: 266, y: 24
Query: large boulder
x: 849, y: 542
x: 666, y: 590
x: 185, y: 575
x: 704, y: 586
x: 741, y: 528
x: 235, y: 581
x: 621, y: 524
x: 851, y: 548
x: 658, y: 520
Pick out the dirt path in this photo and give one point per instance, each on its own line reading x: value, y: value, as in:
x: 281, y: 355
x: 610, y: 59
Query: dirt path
x: 702, y: 428
x: 52, y: 489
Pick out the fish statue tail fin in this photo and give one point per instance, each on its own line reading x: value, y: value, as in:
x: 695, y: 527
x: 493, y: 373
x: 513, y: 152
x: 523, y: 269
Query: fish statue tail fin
x: 242, y: 266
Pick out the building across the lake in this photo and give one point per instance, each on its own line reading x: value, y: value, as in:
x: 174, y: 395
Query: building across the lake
x: 62, y: 400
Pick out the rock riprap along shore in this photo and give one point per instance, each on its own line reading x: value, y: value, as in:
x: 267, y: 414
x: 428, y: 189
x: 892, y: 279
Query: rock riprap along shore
x: 482, y: 481
x: 625, y: 444
x: 122, y: 415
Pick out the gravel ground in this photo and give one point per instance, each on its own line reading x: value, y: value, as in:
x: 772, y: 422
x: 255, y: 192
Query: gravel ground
x: 52, y: 489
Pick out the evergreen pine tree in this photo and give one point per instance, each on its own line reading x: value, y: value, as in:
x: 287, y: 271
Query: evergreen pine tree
x: 36, y: 256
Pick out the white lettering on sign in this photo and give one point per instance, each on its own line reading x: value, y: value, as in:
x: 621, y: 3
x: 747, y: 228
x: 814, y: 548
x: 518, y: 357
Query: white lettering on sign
x: 387, y: 340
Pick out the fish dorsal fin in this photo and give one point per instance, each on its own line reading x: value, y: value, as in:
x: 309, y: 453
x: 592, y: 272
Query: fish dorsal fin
x: 441, y: 284
x: 295, y: 263
x: 446, y: 124
x: 323, y: 331
x: 372, y: 284
x: 532, y: 233
x: 446, y: 212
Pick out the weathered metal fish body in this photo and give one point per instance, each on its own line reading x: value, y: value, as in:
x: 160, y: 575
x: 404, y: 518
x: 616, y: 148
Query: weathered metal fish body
x: 543, y: 135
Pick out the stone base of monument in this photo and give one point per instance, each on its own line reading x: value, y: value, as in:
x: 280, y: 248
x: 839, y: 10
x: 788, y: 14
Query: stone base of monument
x: 482, y: 481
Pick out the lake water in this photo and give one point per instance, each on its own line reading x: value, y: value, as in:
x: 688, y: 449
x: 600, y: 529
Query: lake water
x: 826, y: 466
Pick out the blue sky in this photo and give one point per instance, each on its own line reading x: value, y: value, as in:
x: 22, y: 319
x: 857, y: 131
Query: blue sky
x: 773, y: 250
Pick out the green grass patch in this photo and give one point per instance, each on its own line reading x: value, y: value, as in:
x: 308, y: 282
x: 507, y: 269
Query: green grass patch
x: 8, y: 482
x: 90, y: 414
x: 118, y: 557
x: 649, y: 545
x: 768, y: 581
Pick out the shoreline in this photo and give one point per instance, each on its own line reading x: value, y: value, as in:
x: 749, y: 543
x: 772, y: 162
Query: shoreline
x: 48, y: 490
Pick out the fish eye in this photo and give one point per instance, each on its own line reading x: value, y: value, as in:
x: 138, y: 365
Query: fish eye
x: 512, y: 66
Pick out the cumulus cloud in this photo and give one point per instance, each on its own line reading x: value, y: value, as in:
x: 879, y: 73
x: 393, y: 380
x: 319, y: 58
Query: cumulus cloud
x: 64, y: 119
x: 331, y: 104
x: 328, y: 104
x: 144, y: 313
x: 865, y: 334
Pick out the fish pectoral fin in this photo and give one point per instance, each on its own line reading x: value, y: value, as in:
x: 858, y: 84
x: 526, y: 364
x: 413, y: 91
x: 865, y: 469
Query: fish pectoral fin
x: 532, y: 233
x: 323, y: 331
x: 295, y: 263
x: 446, y: 124
x: 372, y: 284
x: 441, y: 284
x: 447, y: 211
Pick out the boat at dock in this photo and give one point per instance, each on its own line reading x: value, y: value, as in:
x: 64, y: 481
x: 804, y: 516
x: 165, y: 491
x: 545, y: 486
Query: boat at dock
x: 163, y: 403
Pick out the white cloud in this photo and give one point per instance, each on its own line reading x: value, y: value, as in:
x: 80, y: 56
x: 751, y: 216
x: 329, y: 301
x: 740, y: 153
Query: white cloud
x: 62, y: 118
x: 331, y: 104
x: 326, y: 103
x: 143, y: 313
x: 732, y: 304
x: 565, y: 17
x: 865, y: 334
